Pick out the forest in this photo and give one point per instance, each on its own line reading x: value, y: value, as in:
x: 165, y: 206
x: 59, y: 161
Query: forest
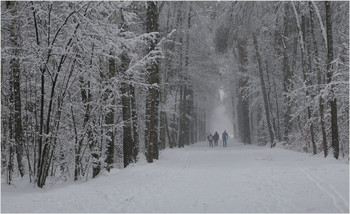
x: 90, y: 86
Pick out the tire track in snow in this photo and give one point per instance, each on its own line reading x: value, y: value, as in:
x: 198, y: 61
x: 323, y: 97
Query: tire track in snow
x: 332, y: 189
x: 338, y: 201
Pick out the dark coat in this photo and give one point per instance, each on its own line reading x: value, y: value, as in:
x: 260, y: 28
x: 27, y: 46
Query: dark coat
x: 224, y: 136
x: 216, y: 136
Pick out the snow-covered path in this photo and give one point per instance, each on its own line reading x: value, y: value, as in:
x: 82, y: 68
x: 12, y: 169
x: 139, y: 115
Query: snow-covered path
x: 201, y: 179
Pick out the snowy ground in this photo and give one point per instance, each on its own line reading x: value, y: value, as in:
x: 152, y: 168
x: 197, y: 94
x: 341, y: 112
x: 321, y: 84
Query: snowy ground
x: 200, y: 179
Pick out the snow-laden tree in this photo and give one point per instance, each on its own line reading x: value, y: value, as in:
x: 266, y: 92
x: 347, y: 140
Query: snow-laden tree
x: 287, y: 48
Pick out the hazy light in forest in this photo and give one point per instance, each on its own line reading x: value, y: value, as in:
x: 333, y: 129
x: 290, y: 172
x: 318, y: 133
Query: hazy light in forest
x: 220, y: 119
x: 222, y: 94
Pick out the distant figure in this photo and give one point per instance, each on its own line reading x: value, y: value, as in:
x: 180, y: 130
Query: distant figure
x: 216, y: 138
x: 210, y: 138
x: 224, y: 138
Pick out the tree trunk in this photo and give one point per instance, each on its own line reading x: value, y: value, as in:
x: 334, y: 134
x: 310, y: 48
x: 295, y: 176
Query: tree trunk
x: 188, y: 98
x: 174, y: 123
x: 10, y: 163
x: 44, y: 154
x: 287, y: 74
x: 163, y: 96
x: 277, y: 112
x: 135, y: 149
x: 128, y: 134
x: 302, y: 36
x: 86, y: 98
x: 77, y: 148
x: 109, y: 119
x: 269, y: 97
x: 333, y: 101
x: 243, y: 102
x: 182, y: 104
x: 192, y: 119
x: 308, y: 82
x: 128, y: 143
x: 263, y: 89
x: 168, y: 133
x: 16, y: 85
x: 182, y: 127
x: 195, y: 123
x: 152, y: 99
x: 162, y: 126
x: 40, y: 139
x: 4, y: 143
x: 319, y: 81
x: 204, y: 129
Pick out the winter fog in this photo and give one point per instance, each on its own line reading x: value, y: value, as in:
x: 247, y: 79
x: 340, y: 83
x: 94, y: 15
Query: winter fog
x: 221, y: 119
x: 174, y: 106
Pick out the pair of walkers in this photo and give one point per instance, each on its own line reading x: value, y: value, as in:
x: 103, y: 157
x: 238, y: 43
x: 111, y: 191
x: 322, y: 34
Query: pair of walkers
x: 215, y: 138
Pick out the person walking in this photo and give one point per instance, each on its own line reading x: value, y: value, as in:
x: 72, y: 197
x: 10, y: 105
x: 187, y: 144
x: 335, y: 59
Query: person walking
x: 224, y: 138
x: 210, y: 138
x: 216, y: 138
